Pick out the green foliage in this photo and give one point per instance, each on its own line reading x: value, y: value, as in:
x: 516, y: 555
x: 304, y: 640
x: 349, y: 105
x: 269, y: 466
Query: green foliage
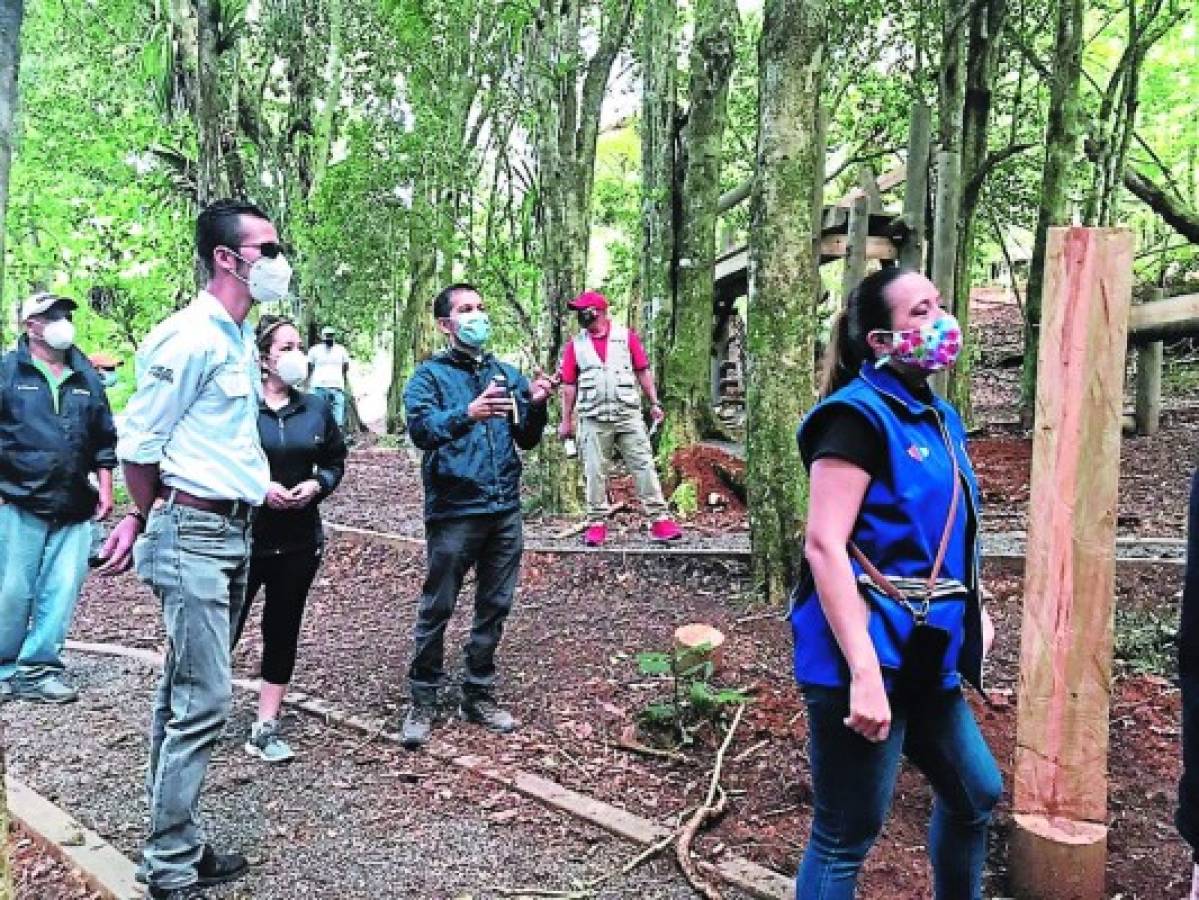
x: 694, y: 702
x: 685, y: 499
x: 1146, y: 642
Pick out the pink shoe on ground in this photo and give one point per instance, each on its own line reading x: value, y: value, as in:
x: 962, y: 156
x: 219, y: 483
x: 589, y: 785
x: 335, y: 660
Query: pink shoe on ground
x: 595, y: 535
x: 665, y: 530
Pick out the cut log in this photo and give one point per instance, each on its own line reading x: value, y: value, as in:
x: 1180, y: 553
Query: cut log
x: 697, y: 642
x: 1060, y: 766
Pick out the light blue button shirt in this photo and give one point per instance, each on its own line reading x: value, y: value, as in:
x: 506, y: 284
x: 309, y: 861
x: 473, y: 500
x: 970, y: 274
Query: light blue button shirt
x: 195, y: 412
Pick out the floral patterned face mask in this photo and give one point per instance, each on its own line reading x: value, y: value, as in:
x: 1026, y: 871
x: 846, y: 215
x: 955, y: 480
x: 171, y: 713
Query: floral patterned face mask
x: 931, y: 347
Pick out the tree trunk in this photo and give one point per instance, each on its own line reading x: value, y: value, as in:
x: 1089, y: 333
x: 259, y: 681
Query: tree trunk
x: 1183, y: 220
x: 782, y: 306
x: 658, y: 110
x: 569, y: 97
x: 6, y: 889
x: 1061, y: 140
x: 982, y: 51
x: 211, y: 182
x: 414, y: 335
x: 12, y: 13
x: 688, y: 385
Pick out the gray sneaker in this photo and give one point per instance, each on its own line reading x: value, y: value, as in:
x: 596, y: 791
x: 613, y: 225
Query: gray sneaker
x: 417, y: 725
x: 50, y: 689
x: 484, y: 711
x: 266, y: 744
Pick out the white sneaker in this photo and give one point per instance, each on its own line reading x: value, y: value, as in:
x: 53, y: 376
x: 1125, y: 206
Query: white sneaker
x: 266, y: 744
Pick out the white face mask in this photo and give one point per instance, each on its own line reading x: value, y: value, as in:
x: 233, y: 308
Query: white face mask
x: 269, y: 278
x: 59, y: 334
x: 292, y: 367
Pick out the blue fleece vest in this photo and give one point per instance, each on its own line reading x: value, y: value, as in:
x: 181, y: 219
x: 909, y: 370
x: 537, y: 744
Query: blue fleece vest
x: 902, y: 518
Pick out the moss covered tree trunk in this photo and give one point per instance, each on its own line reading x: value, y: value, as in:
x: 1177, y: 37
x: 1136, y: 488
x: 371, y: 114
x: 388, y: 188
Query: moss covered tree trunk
x: 982, y: 53
x: 783, y: 283
x: 688, y: 387
x: 12, y: 13
x: 658, y: 111
x: 569, y: 96
x: 1061, y: 141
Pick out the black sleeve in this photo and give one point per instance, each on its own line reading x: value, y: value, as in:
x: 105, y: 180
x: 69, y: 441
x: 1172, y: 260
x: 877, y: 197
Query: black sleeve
x: 844, y: 433
x: 332, y: 463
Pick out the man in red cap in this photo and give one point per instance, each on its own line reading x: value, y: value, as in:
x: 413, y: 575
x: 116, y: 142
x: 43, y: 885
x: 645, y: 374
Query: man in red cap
x: 601, y: 369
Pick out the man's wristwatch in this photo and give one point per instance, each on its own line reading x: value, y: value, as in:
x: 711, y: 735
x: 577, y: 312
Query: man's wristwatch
x: 137, y: 514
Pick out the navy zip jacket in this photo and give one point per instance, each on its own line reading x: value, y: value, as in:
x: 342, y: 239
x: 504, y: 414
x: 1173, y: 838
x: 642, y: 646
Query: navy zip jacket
x: 301, y: 441
x: 901, y: 521
x: 46, y: 456
x: 469, y: 468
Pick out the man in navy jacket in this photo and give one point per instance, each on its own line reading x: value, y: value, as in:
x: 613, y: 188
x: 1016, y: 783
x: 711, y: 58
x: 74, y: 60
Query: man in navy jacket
x: 56, y: 430
x: 469, y: 413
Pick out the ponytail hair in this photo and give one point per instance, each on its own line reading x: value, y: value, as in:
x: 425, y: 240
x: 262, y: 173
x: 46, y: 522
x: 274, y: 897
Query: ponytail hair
x: 866, y: 310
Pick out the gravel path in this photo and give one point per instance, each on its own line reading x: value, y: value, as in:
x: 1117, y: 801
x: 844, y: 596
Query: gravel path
x: 348, y: 819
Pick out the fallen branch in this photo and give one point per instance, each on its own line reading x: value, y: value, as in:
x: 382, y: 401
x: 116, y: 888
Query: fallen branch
x: 579, y: 529
x: 713, y: 807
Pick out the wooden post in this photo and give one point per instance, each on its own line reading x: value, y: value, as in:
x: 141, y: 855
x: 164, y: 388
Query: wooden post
x: 1059, y: 838
x: 945, y: 237
x: 858, y: 232
x: 915, y: 191
x: 1148, y: 410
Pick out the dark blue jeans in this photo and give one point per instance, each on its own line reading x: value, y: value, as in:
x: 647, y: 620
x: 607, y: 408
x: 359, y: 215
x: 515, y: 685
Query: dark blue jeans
x: 853, y: 780
x: 1187, y: 816
x: 492, y: 545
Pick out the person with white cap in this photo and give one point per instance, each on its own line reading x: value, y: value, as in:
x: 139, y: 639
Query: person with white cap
x: 601, y: 371
x: 56, y: 430
x: 328, y: 365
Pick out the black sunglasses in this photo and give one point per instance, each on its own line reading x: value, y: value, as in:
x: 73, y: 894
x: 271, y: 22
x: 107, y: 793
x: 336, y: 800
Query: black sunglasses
x: 269, y: 249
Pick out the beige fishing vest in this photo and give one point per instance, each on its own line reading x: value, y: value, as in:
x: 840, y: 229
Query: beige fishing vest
x: 607, y: 390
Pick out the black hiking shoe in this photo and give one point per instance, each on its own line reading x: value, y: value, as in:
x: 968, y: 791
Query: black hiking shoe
x: 484, y: 711
x: 414, y: 733
x: 212, y: 869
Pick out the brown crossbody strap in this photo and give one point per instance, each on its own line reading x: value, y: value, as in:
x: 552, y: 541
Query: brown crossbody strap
x: 880, y: 580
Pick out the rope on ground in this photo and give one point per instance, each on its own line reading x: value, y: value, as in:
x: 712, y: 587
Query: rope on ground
x: 713, y: 807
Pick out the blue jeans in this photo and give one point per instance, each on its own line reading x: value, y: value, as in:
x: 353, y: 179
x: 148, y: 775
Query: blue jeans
x: 336, y: 399
x: 853, y: 781
x: 42, y: 566
x: 196, y: 563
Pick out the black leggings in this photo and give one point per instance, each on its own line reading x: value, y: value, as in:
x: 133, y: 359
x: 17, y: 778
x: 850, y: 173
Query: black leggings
x: 287, y: 578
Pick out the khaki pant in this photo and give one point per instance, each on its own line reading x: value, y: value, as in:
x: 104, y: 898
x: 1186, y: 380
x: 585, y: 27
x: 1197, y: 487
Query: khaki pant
x: 597, y: 441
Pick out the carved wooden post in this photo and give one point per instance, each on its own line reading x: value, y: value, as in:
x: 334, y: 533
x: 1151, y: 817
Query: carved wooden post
x: 1059, y: 839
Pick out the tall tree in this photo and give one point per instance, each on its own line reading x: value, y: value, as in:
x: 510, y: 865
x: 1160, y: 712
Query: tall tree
x: 569, y: 97
x: 783, y: 278
x: 659, y: 110
x: 1061, y: 141
x: 986, y: 20
x: 688, y: 385
x: 12, y: 13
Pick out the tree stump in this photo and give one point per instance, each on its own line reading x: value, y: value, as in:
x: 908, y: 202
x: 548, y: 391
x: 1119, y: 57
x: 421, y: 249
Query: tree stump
x: 698, y: 642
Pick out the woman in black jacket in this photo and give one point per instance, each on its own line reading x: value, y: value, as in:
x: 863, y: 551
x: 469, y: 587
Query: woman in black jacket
x: 307, y: 457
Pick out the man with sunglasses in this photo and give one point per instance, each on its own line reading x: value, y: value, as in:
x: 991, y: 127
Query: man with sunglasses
x: 196, y: 472
x: 55, y: 431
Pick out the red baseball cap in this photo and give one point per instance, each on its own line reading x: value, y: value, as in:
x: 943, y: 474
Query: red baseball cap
x: 589, y: 300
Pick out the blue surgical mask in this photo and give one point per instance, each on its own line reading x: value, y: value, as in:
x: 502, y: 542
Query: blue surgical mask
x: 474, y: 328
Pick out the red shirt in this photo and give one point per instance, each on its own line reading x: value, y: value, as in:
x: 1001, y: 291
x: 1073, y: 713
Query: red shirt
x: 569, y: 370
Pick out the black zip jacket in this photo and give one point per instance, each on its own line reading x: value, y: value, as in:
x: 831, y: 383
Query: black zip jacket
x: 301, y: 441
x: 46, y: 456
x: 469, y: 468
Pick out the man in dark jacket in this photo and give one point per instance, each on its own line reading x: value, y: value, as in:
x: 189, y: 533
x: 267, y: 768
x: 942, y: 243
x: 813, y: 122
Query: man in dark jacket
x: 55, y: 430
x: 468, y: 412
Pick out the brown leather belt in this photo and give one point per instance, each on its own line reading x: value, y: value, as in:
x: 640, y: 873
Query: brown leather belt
x: 232, y: 509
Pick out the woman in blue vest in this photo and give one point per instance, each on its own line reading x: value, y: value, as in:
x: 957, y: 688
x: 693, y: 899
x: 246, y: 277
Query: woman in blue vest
x: 887, y: 618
